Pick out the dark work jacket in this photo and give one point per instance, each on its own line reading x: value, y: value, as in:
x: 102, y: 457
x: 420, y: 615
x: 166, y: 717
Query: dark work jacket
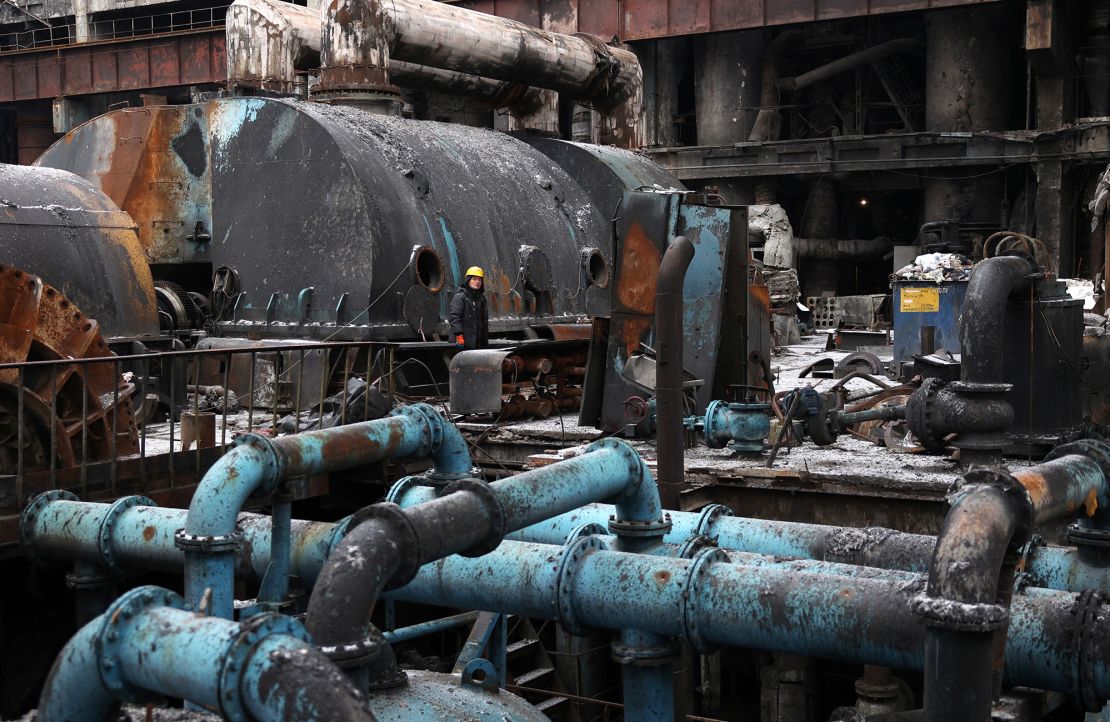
x: 469, y: 317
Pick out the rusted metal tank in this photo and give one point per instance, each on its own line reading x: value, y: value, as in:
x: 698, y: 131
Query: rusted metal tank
x: 333, y: 222
x: 64, y: 229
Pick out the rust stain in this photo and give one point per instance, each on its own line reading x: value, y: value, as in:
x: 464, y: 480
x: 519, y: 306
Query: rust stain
x: 1091, y: 503
x: 662, y: 577
x: 639, y: 272
x: 633, y: 331
x: 148, y: 533
x: 1036, y: 485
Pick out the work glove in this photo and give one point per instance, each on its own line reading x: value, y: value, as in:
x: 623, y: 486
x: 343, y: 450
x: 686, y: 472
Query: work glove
x: 459, y: 340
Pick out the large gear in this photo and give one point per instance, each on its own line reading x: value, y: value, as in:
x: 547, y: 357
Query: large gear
x: 38, y: 323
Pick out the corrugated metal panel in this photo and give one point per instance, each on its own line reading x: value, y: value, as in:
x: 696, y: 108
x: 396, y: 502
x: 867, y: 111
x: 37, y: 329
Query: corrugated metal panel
x: 643, y: 19
x: 154, y: 62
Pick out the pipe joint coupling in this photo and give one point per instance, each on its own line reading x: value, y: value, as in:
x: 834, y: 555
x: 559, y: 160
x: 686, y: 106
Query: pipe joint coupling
x: 573, y: 556
x: 692, y: 610
x: 959, y: 616
x: 495, y: 514
x: 640, y: 529
x: 644, y: 655
x: 1085, y: 644
x: 207, y: 543
x: 408, y: 541
x: 111, y: 638
x: 238, y: 654
x: 30, y: 517
x: 108, y: 526
x: 708, y: 517
x: 978, y: 413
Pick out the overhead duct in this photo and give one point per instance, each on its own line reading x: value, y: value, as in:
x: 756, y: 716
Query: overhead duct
x: 268, y: 42
x: 361, y: 38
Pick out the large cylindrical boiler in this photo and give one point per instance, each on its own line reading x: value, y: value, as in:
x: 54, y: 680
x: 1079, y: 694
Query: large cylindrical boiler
x: 340, y: 223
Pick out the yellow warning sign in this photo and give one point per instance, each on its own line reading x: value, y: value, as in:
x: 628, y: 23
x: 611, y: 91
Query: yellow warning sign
x: 920, y: 300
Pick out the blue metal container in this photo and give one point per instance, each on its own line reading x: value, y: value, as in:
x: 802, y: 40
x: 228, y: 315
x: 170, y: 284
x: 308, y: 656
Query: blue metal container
x: 921, y: 304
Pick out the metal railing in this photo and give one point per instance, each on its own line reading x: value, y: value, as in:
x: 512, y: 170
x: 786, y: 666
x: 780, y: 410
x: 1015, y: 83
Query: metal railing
x: 258, y: 388
x: 114, y: 28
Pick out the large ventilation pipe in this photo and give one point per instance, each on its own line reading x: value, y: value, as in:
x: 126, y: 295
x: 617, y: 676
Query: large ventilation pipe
x: 768, y: 122
x: 360, y: 37
x: 268, y: 42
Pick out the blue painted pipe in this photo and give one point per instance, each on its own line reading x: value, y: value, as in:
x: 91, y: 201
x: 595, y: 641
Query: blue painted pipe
x: 391, y: 544
x: 434, y: 626
x: 1047, y: 566
x: 142, y: 539
x: 708, y: 603
x: 740, y: 427
x: 256, y: 465
x: 146, y: 645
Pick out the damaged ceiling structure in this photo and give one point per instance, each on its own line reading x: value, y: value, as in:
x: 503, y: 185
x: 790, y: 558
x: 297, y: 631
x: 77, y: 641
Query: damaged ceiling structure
x: 793, y: 406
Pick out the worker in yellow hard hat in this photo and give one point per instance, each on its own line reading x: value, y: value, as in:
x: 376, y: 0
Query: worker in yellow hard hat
x: 469, y: 317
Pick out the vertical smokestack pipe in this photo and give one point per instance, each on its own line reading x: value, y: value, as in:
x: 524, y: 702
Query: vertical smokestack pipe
x: 668, y: 374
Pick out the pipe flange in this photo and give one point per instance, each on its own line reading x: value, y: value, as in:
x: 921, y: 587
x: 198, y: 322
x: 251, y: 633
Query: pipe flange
x: 108, y: 526
x: 640, y: 529
x: 494, y: 512
x: 1082, y: 536
x: 113, y: 631
x: 208, y: 543
x: 408, y: 541
x: 1085, y: 615
x: 695, y: 544
x: 691, y: 612
x: 238, y: 655
x: 402, y: 487
x: 959, y: 616
x: 573, y: 555
x: 708, y: 517
x: 353, y: 654
x: 584, y: 530
x: 341, y: 529
x: 921, y: 412
x: 273, y: 459
x: 635, y: 655
x: 1098, y: 451
x: 31, y: 515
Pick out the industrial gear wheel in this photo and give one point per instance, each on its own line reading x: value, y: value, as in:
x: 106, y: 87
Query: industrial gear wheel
x: 38, y: 323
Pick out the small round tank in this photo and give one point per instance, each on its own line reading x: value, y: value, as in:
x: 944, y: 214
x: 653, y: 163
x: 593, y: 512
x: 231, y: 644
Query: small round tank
x: 62, y: 228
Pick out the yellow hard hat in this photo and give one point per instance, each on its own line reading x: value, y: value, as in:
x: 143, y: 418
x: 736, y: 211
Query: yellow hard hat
x: 475, y: 271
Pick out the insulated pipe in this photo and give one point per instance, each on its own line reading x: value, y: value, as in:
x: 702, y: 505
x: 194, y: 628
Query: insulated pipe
x: 851, y: 62
x: 269, y: 41
x: 259, y: 465
x: 708, y: 603
x: 360, y: 37
x: 389, y: 545
x: 966, y: 603
x: 993, y: 282
x: 146, y: 645
x: 669, y: 411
